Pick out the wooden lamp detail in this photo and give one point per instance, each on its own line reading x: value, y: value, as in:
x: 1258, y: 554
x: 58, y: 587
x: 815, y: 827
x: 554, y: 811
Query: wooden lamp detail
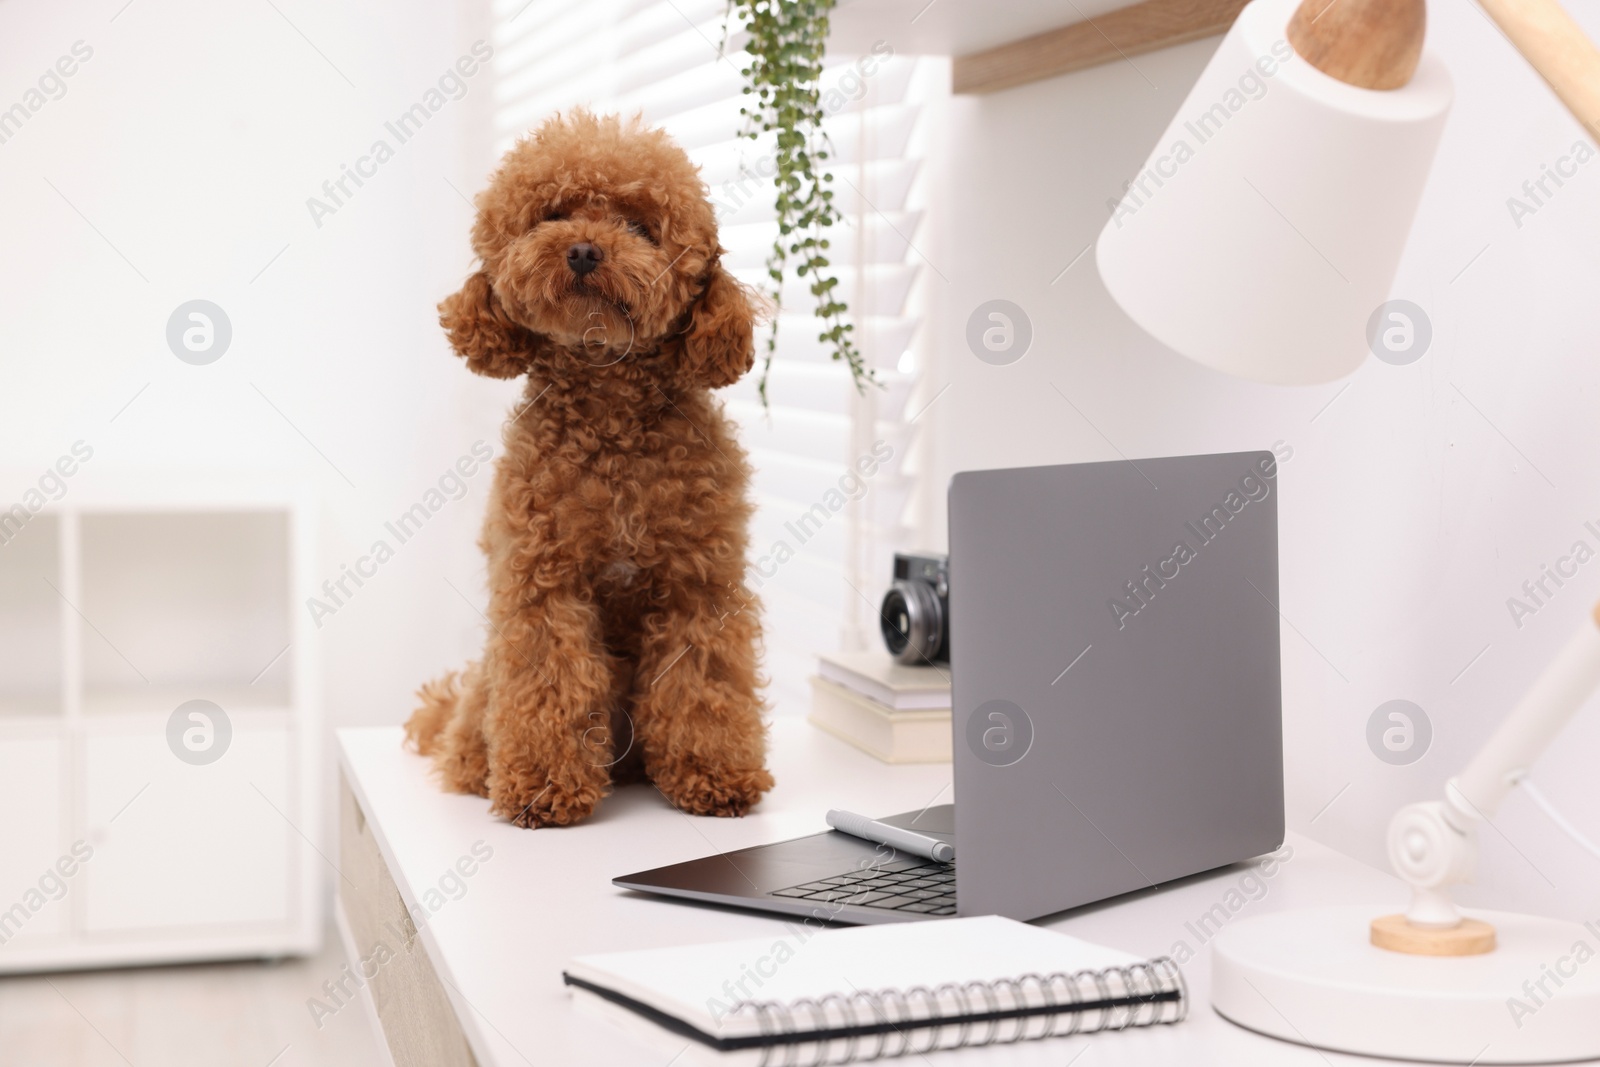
x: 1472, y: 938
x: 1558, y: 49
x: 1371, y: 44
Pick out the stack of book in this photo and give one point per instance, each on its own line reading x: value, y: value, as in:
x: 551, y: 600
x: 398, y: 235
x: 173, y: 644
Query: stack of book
x: 897, y: 713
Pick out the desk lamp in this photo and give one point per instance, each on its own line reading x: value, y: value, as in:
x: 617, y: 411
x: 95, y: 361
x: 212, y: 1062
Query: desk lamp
x: 1260, y: 239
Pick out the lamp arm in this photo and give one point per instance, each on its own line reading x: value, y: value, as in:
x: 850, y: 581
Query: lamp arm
x: 1561, y: 690
x: 1434, y: 845
x: 1558, y: 49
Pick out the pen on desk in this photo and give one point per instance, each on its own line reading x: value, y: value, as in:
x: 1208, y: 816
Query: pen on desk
x: 907, y: 841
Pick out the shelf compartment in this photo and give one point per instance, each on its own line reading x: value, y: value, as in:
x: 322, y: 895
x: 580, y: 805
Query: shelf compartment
x: 182, y: 605
x: 31, y: 607
x: 32, y: 794
x: 181, y: 847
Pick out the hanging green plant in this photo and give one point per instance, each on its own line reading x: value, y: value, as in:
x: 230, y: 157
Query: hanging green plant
x: 787, y: 39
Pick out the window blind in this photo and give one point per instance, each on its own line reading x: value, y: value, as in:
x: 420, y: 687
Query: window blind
x: 832, y: 481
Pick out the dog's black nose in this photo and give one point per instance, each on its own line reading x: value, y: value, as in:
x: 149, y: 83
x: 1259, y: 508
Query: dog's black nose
x: 583, y: 258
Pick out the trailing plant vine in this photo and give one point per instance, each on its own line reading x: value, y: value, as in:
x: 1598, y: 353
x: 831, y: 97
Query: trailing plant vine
x: 787, y: 39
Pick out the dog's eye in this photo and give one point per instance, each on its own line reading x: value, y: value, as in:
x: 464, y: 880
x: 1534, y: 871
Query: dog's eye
x: 642, y: 230
x: 554, y: 216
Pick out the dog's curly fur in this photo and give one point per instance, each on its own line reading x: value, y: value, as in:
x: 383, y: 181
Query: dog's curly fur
x: 622, y: 637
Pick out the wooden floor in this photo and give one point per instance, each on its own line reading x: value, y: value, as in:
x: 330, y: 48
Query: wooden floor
x: 204, y: 1015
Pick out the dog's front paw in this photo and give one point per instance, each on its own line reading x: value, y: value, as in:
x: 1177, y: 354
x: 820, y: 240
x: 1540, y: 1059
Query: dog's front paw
x: 726, y: 792
x: 532, y: 801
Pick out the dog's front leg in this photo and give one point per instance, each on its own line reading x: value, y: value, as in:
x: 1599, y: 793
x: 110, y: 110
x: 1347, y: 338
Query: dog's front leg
x: 549, y: 685
x: 697, y: 709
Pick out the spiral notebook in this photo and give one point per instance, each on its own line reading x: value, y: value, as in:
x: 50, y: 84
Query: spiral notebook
x: 836, y: 996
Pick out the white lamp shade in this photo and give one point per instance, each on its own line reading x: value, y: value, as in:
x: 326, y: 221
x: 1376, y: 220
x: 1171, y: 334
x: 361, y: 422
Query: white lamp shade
x: 1265, y: 229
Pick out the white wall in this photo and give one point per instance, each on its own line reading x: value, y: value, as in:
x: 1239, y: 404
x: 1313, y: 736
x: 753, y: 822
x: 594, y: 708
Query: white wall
x: 1408, y: 514
x: 191, y: 140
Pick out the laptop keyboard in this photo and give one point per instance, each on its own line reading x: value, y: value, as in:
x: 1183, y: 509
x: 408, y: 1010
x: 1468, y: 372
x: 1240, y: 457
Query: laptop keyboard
x: 927, y: 889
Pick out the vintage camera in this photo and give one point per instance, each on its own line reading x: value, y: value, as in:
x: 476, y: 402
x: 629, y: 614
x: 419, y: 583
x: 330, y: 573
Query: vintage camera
x: 915, y: 615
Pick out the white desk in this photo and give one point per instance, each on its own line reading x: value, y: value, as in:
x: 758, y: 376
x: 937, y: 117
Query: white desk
x: 545, y: 896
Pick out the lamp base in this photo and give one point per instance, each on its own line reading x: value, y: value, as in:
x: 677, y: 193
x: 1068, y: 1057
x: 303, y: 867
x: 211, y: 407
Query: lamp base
x: 1313, y: 977
x: 1471, y: 938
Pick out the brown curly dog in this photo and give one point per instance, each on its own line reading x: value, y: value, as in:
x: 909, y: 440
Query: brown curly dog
x: 622, y: 638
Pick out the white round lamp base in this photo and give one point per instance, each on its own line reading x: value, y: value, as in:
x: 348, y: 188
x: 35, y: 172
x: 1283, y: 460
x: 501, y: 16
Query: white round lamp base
x: 1313, y: 977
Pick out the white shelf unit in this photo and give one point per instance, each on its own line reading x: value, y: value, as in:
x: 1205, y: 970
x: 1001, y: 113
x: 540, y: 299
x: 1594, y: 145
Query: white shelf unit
x: 114, y: 610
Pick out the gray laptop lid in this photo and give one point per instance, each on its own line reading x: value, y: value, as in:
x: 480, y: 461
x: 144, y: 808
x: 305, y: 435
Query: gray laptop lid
x: 1114, y: 644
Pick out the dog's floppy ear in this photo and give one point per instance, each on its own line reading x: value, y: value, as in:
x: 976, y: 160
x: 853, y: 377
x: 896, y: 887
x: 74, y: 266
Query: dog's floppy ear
x: 482, y: 334
x: 719, y: 345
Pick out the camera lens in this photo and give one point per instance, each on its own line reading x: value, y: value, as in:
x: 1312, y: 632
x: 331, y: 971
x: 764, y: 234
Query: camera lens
x: 894, y: 618
x: 912, y: 621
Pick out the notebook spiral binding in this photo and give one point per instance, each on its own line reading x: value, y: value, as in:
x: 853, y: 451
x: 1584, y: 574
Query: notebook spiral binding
x: 890, y: 1022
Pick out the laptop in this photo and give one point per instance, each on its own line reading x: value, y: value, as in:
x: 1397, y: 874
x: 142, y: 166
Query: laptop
x: 1117, y: 713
